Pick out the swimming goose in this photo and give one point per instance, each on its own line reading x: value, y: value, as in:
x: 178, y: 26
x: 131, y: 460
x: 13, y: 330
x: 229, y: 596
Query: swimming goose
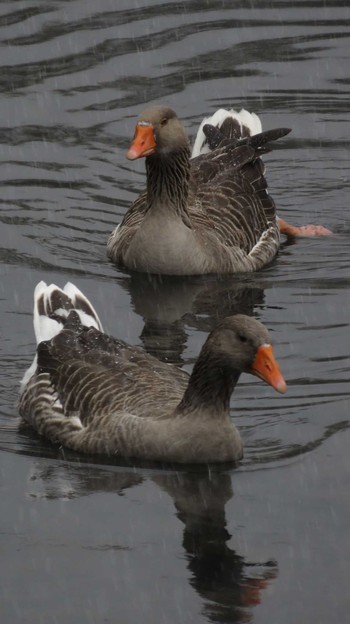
x: 95, y: 394
x: 208, y: 214
x: 211, y: 214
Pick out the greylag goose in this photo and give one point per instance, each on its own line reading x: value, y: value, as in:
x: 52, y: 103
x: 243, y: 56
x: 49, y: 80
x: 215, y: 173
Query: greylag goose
x: 95, y: 394
x: 208, y: 214
x: 211, y: 214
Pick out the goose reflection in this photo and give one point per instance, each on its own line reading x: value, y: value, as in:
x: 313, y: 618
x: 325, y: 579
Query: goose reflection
x: 228, y: 585
x: 168, y: 305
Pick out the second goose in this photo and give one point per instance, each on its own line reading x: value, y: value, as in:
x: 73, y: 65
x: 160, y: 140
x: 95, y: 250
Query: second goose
x: 98, y: 395
x: 208, y: 214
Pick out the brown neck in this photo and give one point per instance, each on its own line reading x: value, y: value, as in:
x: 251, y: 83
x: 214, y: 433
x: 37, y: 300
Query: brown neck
x: 210, y: 386
x: 168, y: 180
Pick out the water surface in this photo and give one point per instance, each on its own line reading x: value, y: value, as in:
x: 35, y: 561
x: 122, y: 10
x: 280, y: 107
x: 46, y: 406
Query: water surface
x: 86, y: 541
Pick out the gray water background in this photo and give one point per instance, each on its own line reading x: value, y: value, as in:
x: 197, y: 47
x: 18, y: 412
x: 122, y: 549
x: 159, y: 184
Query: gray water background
x: 93, y: 542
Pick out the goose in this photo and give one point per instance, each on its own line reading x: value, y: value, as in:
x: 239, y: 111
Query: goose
x: 94, y: 394
x: 207, y: 214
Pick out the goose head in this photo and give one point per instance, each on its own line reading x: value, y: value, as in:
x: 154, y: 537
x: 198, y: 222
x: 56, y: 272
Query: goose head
x: 158, y: 131
x: 243, y: 344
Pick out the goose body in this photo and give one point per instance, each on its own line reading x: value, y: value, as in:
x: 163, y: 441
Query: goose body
x: 95, y: 394
x: 207, y: 214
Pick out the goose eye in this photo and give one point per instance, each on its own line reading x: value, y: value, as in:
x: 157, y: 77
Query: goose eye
x: 164, y: 121
x: 242, y: 338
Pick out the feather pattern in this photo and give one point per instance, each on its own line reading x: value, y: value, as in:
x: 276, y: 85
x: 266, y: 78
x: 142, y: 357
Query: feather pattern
x: 95, y: 394
x: 208, y: 214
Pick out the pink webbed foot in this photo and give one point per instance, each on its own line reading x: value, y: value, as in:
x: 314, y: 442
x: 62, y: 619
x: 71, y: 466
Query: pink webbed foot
x: 303, y: 230
x: 312, y: 230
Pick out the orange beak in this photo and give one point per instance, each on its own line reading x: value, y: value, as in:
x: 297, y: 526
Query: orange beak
x: 266, y: 367
x: 144, y: 143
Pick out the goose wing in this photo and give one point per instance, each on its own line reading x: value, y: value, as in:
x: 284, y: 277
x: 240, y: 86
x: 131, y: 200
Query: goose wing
x: 230, y: 154
x: 237, y: 206
x: 91, y: 374
x: 121, y: 236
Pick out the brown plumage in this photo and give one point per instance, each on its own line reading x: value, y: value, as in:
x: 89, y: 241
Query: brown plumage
x: 98, y: 395
x: 208, y: 214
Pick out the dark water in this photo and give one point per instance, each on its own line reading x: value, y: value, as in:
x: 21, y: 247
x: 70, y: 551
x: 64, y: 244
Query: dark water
x: 268, y: 542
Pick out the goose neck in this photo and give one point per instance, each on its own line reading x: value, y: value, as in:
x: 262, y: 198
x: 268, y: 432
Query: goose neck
x: 210, y: 385
x: 168, y: 180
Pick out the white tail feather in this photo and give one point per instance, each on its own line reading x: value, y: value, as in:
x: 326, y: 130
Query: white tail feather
x: 28, y: 374
x: 90, y: 318
x: 244, y: 118
x: 45, y: 327
x: 250, y: 121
